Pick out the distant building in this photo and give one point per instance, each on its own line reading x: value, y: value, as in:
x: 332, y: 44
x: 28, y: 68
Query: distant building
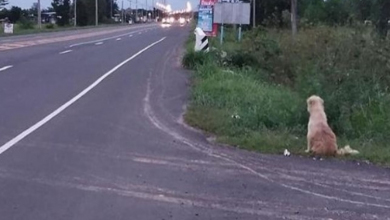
x: 49, y: 17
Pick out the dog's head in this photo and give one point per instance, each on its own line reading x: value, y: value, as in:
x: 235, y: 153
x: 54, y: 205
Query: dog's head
x: 314, y: 101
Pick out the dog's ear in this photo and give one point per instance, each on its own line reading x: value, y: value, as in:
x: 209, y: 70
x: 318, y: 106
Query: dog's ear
x: 310, y: 102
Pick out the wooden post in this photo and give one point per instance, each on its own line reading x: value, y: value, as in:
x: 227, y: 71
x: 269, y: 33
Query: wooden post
x: 294, y: 17
x: 39, y: 15
x: 254, y: 13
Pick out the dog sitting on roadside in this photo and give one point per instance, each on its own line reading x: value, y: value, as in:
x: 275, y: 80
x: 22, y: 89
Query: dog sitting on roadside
x: 321, y: 141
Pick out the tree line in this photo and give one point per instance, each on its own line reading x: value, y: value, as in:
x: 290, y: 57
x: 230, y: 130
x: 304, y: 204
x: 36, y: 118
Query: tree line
x: 329, y: 12
x: 64, y: 11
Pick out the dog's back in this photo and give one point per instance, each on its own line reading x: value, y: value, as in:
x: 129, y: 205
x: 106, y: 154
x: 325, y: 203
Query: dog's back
x: 323, y: 140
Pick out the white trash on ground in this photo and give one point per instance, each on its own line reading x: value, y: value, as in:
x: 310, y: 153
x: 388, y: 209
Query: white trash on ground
x: 236, y: 116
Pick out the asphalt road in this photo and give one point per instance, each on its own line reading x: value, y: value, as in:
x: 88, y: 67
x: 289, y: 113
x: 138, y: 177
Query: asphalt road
x: 95, y: 131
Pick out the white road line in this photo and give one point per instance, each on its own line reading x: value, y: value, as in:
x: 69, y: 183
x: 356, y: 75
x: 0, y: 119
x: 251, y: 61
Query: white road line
x: 99, y: 43
x: 104, y: 39
x: 130, y: 35
x: 139, y: 32
x: 119, y: 39
x: 42, y: 122
x: 66, y: 51
x: 5, y: 68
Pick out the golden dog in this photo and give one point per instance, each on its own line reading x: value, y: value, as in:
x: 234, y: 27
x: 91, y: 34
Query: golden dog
x: 321, y: 140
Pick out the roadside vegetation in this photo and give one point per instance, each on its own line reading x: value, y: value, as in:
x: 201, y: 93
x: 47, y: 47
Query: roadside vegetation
x: 255, y: 97
x: 60, y: 16
x: 22, y: 29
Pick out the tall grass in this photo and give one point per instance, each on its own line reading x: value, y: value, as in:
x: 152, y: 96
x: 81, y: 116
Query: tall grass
x: 348, y: 68
x: 266, y: 79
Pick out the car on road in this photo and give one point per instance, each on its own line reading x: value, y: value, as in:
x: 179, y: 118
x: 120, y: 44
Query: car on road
x: 165, y: 22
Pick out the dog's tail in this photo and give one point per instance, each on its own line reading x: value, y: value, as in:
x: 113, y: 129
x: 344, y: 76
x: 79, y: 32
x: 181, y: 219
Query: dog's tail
x: 346, y: 151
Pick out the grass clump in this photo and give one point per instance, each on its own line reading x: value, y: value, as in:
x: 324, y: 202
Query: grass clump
x: 50, y: 26
x: 239, y: 109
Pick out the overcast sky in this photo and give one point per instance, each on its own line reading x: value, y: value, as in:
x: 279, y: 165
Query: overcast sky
x: 176, y: 4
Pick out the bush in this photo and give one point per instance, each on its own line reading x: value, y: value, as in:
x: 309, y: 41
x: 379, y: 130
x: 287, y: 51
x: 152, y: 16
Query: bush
x: 266, y: 80
x: 192, y: 59
x: 348, y: 68
x: 25, y: 24
x: 240, y: 59
x: 109, y: 21
x: 50, y: 26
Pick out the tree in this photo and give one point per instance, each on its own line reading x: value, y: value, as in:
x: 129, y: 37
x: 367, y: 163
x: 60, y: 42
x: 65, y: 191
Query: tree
x: 90, y: 9
x: 114, y: 8
x: 271, y: 12
x: 62, y: 9
x: 361, y: 10
x: 25, y: 12
x: 314, y: 11
x: 336, y: 12
x: 49, y: 9
x: 34, y: 9
x: 382, y: 16
x: 82, y: 14
x: 3, y: 3
x: 14, y: 14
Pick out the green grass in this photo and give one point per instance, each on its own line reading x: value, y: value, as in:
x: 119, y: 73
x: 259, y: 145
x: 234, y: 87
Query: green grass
x: 220, y: 123
x: 268, y: 92
x: 218, y: 96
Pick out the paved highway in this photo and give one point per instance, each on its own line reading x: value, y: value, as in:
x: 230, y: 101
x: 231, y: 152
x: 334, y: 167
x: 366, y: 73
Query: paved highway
x: 91, y: 128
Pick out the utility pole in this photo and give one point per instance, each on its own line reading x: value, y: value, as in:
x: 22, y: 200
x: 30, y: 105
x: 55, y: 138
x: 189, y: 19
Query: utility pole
x: 147, y: 11
x: 39, y: 15
x: 111, y: 8
x: 153, y: 13
x: 294, y: 17
x: 131, y: 11
x: 136, y: 10
x: 75, y: 12
x: 254, y: 13
x: 96, y: 13
x: 122, y: 14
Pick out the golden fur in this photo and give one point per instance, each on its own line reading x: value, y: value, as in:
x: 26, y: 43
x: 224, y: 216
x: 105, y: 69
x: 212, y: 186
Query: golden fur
x: 321, y: 140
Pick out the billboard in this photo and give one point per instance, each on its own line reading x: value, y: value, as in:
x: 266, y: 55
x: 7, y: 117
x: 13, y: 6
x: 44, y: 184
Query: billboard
x: 232, y: 13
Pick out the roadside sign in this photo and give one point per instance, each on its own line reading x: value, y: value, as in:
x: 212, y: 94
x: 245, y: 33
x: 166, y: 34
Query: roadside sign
x: 232, y: 13
x: 205, y: 19
x: 8, y: 28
